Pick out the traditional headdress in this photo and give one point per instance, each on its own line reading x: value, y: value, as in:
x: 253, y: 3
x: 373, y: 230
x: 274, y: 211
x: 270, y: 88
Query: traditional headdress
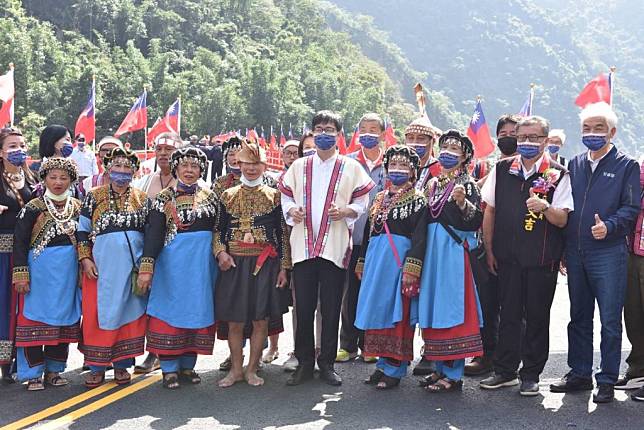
x: 129, y: 157
x: 65, y: 164
x: 233, y: 142
x: 168, y: 138
x: 189, y: 154
x: 401, y: 153
x: 424, y: 126
x: 462, y: 140
x: 251, y: 153
x: 109, y: 140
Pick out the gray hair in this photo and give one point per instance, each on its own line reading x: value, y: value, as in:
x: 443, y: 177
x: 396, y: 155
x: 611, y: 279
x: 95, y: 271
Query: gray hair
x: 535, y: 120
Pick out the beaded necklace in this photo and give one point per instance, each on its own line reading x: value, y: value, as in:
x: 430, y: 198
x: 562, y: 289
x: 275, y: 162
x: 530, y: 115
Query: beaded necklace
x: 192, y: 215
x: 388, y: 202
x: 62, y: 218
x: 114, y: 198
x: 436, y: 200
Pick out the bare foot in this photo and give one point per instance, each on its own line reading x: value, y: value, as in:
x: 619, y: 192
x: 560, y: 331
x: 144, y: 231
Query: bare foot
x: 253, y: 379
x: 230, y: 379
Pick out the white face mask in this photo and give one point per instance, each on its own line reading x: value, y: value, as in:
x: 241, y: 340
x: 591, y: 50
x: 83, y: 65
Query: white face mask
x: 57, y: 198
x: 251, y: 184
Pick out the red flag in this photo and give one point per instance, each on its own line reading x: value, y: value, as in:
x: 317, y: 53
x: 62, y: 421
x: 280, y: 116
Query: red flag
x: 86, y: 122
x: 169, y: 123
x: 390, y: 137
x: 479, y: 133
x: 355, y: 142
x: 136, y: 118
x: 158, y: 128
x: 6, y: 113
x: 7, y: 94
x: 342, y: 143
x: 597, y: 90
x: 282, y: 137
x: 252, y: 135
x: 273, y: 143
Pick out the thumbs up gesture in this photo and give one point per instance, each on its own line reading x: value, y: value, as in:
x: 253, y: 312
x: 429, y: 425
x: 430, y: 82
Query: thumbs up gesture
x: 599, y: 230
x: 535, y: 203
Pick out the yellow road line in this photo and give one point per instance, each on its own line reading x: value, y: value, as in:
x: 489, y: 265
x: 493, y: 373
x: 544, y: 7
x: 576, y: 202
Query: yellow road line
x: 52, y: 410
x: 99, y: 404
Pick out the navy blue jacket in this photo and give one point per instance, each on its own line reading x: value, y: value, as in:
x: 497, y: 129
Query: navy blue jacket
x: 612, y: 191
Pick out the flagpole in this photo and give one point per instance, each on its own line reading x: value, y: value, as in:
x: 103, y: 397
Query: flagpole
x: 145, y: 129
x: 532, y: 85
x: 94, y: 107
x: 12, y: 109
x: 612, y: 82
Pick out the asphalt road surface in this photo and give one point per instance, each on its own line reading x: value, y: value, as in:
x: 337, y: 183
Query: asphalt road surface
x: 315, y: 405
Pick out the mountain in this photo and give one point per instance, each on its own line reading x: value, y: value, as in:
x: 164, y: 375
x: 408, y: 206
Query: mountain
x: 496, y: 48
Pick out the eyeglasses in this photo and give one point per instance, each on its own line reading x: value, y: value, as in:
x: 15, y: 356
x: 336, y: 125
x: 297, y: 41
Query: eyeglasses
x: 325, y: 130
x: 290, y: 154
x: 532, y: 138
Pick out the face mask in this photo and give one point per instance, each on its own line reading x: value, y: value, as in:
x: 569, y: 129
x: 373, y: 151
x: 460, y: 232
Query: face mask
x: 448, y: 159
x: 121, y: 179
x: 309, y: 152
x: 368, y: 140
x: 421, y: 150
x: 67, y: 150
x: 553, y: 149
x: 594, y: 142
x: 325, y: 141
x: 528, y: 150
x: 398, y: 177
x: 507, y: 145
x: 17, y: 157
x: 81, y: 145
x: 234, y: 170
x: 185, y: 188
x: 253, y: 183
x: 57, y: 198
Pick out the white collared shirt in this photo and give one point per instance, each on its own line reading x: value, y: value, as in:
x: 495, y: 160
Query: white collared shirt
x: 371, y: 164
x: 321, y: 178
x: 85, y: 161
x: 595, y: 163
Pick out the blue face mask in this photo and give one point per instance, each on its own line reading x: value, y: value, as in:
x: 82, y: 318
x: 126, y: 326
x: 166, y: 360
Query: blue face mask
x: 448, y: 160
x: 594, y: 142
x: 553, y: 149
x: 81, y: 145
x: 325, y: 141
x: 234, y: 170
x: 67, y: 150
x: 185, y: 188
x: 121, y: 179
x: 528, y: 150
x: 309, y: 152
x: 398, y: 177
x: 17, y: 157
x: 368, y: 140
x: 421, y: 150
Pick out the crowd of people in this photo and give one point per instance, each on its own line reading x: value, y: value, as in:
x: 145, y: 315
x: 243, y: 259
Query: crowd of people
x: 382, y: 240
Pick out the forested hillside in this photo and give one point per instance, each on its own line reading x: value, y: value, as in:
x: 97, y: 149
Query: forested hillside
x: 497, y: 48
x: 235, y: 63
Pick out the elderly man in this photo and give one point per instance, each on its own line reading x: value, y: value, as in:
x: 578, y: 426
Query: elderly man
x: 84, y: 158
x: 606, y: 190
x: 528, y: 199
x: 556, y: 140
x: 104, y: 147
x: 164, y: 145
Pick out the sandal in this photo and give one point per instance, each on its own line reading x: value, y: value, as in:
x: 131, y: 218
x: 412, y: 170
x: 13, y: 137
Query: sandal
x: 375, y: 377
x: 430, y: 379
x: 55, y: 380
x: 189, y: 375
x: 444, y: 385
x: 122, y: 376
x: 387, y: 382
x: 171, y: 381
x: 94, y: 379
x: 35, y: 384
x: 270, y: 356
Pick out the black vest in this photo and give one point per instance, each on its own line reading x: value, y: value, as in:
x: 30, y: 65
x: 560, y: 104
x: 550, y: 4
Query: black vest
x: 519, y: 237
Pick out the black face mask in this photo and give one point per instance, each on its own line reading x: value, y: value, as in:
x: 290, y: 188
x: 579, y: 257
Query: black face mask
x: 507, y: 145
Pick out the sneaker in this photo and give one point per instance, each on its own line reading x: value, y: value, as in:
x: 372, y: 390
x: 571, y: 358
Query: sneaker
x: 369, y: 360
x: 638, y: 395
x: 497, y: 381
x: 571, y: 383
x: 529, y: 388
x: 604, y: 394
x: 479, y: 366
x: 344, y: 356
x: 291, y: 364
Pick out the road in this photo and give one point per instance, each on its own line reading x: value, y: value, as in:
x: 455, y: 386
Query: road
x: 145, y: 404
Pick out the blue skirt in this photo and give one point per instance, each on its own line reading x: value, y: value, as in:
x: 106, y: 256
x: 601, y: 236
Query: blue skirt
x: 182, y: 293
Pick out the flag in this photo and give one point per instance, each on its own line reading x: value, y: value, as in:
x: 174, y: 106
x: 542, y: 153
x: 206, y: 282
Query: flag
x: 169, y: 123
x: 157, y: 129
x: 480, y: 134
x: 252, y: 135
x: 136, y: 118
x: 273, y: 141
x: 282, y: 138
x: 7, y: 95
x: 355, y: 141
x: 526, y: 109
x: 262, y: 139
x: 597, y: 90
x: 390, y: 137
x: 86, y: 122
x: 290, y: 132
x: 342, y: 143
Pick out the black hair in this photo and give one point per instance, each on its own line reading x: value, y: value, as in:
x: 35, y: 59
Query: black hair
x: 48, y: 138
x: 300, y: 147
x: 326, y: 116
x: 506, y: 119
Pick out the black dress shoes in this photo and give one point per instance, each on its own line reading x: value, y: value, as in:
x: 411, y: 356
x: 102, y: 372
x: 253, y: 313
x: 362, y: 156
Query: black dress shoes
x: 605, y: 393
x: 328, y: 375
x: 570, y: 384
x: 301, y: 374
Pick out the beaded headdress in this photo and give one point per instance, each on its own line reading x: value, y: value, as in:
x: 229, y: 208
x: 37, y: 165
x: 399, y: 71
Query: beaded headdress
x: 65, y: 164
x: 401, y: 153
x: 188, y: 155
x: 455, y: 136
x: 123, y: 156
x: 424, y: 126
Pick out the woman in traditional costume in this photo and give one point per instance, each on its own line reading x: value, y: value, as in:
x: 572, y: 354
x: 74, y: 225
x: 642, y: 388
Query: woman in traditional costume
x: 45, y: 275
x: 110, y: 239
x: 448, y: 308
x: 179, y: 267
x: 251, y: 246
x: 16, y: 185
x: 387, y: 309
